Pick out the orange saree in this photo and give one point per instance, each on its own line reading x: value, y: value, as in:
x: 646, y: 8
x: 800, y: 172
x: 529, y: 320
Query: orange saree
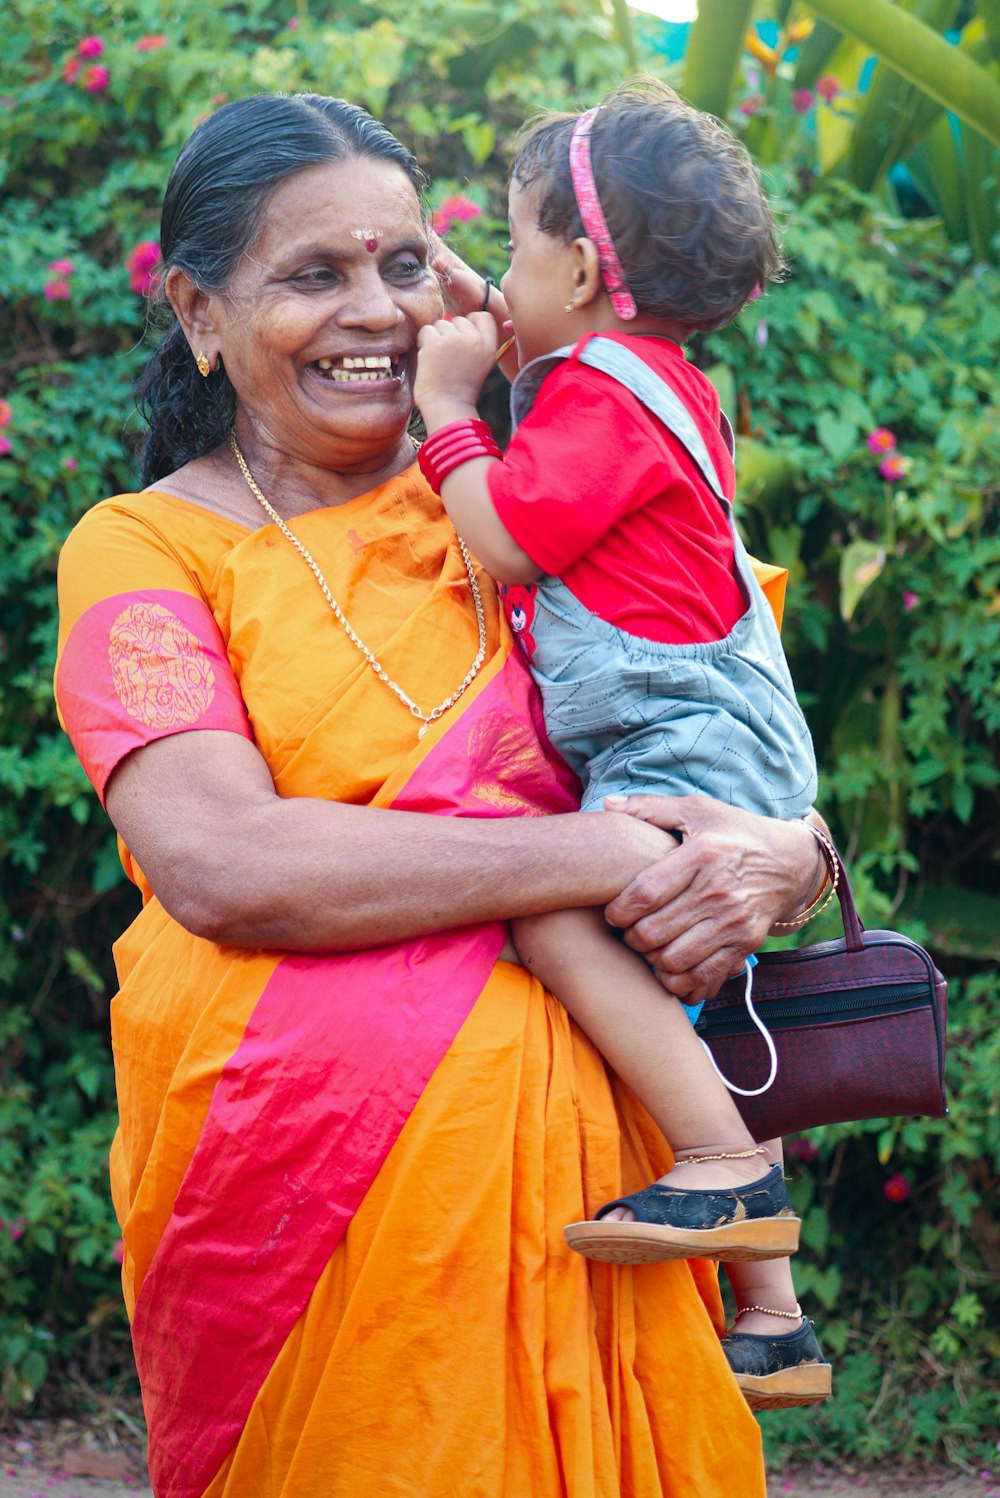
x: 342, y: 1178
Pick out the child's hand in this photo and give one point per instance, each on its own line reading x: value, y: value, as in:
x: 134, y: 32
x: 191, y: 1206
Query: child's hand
x: 453, y: 362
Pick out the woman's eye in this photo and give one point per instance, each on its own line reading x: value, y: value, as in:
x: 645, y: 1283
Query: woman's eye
x: 319, y: 275
x: 408, y: 268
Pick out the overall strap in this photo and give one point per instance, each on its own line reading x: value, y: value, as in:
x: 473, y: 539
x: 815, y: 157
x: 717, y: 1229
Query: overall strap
x: 657, y: 396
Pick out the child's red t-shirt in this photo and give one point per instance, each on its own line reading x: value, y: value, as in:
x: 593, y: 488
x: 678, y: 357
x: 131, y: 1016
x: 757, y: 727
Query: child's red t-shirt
x: 597, y: 492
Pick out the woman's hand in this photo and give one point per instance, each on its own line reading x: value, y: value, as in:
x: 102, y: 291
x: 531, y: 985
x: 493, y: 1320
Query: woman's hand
x: 464, y: 289
x: 697, y: 912
x: 452, y: 364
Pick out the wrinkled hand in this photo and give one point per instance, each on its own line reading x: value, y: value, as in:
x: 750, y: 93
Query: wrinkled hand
x: 453, y: 361
x: 698, y: 911
x: 462, y: 287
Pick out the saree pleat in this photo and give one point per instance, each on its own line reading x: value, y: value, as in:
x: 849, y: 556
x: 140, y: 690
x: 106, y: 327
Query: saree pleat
x: 342, y: 1180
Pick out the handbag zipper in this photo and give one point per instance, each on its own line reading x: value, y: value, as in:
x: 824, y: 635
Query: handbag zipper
x: 732, y: 1020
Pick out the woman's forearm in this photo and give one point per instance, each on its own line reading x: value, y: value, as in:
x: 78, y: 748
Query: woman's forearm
x: 232, y: 861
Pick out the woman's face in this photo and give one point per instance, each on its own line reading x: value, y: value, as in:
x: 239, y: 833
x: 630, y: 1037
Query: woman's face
x: 318, y: 329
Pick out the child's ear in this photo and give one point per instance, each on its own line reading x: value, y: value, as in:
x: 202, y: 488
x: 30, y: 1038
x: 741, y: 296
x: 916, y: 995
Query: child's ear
x: 586, y: 271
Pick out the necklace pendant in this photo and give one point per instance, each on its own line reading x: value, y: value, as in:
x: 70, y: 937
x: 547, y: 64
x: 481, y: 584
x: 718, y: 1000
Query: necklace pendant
x: 422, y: 730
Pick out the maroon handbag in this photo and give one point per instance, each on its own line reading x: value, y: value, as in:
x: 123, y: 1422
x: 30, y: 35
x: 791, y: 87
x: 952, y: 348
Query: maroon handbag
x: 858, y: 1025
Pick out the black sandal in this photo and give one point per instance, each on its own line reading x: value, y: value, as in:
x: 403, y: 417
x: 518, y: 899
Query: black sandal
x: 755, y: 1221
x: 782, y: 1372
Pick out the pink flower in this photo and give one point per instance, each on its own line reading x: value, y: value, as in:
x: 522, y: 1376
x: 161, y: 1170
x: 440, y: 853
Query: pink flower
x: 803, y: 100
x: 827, y: 87
x: 893, y: 467
x: 5, y: 447
x: 761, y: 334
x: 118, y: 1252
x: 62, y: 267
x: 144, y: 256
x: 910, y: 601
x: 454, y: 210
x: 751, y: 104
x: 140, y: 266
x: 293, y: 24
x: 802, y: 1149
x: 881, y: 440
x: 6, y: 412
x: 896, y: 1188
x: 70, y: 464
x: 151, y: 43
x: 71, y: 68
x: 96, y: 79
x: 91, y: 46
x: 57, y: 290
x: 16, y: 1229
x: 461, y: 208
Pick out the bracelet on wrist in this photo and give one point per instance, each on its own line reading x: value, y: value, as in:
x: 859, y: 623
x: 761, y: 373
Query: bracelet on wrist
x: 490, y: 283
x: 452, y: 445
x: 829, y: 886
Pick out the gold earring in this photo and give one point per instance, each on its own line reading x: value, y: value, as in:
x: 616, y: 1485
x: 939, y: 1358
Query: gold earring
x: 204, y: 366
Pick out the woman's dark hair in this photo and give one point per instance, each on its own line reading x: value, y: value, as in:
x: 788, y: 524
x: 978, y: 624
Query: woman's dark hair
x: 213, y: 210
x: 682, y: 199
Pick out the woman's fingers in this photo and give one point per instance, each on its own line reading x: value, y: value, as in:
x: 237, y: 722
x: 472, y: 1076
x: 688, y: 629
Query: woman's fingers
x: 698, y: 911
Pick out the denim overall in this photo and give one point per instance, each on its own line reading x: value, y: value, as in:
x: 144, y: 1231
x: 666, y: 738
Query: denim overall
x: 634, y: 716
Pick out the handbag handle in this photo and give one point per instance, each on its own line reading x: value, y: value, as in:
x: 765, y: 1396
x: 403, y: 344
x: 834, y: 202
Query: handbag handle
x: 852, y: 925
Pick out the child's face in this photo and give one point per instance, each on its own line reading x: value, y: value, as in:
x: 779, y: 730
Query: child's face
x: 539, y: 282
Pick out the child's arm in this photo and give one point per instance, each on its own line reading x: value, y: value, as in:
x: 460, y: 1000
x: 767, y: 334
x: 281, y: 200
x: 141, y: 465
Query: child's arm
x: 454, y: 360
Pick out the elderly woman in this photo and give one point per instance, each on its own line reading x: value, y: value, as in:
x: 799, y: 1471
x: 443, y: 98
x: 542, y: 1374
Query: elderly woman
x: 351, y: 1129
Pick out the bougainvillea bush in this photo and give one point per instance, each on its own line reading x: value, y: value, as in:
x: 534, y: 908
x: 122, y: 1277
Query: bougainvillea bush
x: 866, y: 398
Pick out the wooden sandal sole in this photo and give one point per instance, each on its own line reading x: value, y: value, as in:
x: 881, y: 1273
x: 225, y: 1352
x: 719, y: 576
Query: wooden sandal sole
x: 807, y: 1383
x: 649, y: 1243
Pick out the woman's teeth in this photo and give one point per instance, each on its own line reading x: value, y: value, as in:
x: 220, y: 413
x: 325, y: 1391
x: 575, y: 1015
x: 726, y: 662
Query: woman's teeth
x: 366, y: 367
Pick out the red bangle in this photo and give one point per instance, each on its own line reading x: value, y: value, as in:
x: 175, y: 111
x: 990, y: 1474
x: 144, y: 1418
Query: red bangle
x: 452, y: 445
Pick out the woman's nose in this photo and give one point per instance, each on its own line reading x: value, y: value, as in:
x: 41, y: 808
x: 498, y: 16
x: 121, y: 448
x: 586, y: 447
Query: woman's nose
x: 370, y: 303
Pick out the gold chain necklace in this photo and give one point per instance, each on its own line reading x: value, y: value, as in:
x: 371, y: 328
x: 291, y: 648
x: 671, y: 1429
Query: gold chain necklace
x: 426, y: 719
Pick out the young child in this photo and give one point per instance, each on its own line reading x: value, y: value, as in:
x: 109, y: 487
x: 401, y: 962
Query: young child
x: 657, y: 656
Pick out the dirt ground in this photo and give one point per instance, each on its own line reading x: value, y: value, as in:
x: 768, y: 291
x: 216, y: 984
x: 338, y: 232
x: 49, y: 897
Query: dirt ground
x: 62, y: 1460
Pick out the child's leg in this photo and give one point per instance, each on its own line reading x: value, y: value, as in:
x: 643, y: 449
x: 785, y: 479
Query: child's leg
x: 646, y: 1036
x: 766, y: 1282
x: 643, y: 1032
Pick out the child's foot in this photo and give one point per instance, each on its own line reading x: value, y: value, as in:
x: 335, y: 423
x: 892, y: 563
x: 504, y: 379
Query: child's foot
x: 725, y: 1210
x: 777, y: 1370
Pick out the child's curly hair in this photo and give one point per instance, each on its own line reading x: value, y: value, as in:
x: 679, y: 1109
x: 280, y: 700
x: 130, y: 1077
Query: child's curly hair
x: 682, y: 199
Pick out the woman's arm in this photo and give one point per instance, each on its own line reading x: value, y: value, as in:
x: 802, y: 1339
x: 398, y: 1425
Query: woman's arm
x: 231, y: 860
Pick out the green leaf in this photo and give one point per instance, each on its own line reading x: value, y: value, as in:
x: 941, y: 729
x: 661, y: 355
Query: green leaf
x: 860, y: 565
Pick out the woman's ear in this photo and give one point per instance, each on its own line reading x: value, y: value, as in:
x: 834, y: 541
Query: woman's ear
x: 586, y: 272
x: 195, y: 313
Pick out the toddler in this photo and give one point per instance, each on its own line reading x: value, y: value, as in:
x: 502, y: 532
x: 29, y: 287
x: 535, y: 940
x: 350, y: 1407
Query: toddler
x: 609, y: 521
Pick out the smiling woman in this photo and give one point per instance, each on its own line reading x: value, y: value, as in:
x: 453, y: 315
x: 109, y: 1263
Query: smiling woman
x: 350, y: 1131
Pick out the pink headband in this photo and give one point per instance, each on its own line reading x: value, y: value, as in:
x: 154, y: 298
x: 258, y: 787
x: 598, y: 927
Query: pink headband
x: 585, y: 188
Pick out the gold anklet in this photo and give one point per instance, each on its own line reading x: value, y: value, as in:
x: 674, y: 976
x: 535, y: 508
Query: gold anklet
x: 741, y: 1155
x: 795, y: 1315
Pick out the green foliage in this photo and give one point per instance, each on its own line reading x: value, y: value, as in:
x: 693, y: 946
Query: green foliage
x: 900, y: 1267
x: 893, y: 623
x: 813, y: 97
